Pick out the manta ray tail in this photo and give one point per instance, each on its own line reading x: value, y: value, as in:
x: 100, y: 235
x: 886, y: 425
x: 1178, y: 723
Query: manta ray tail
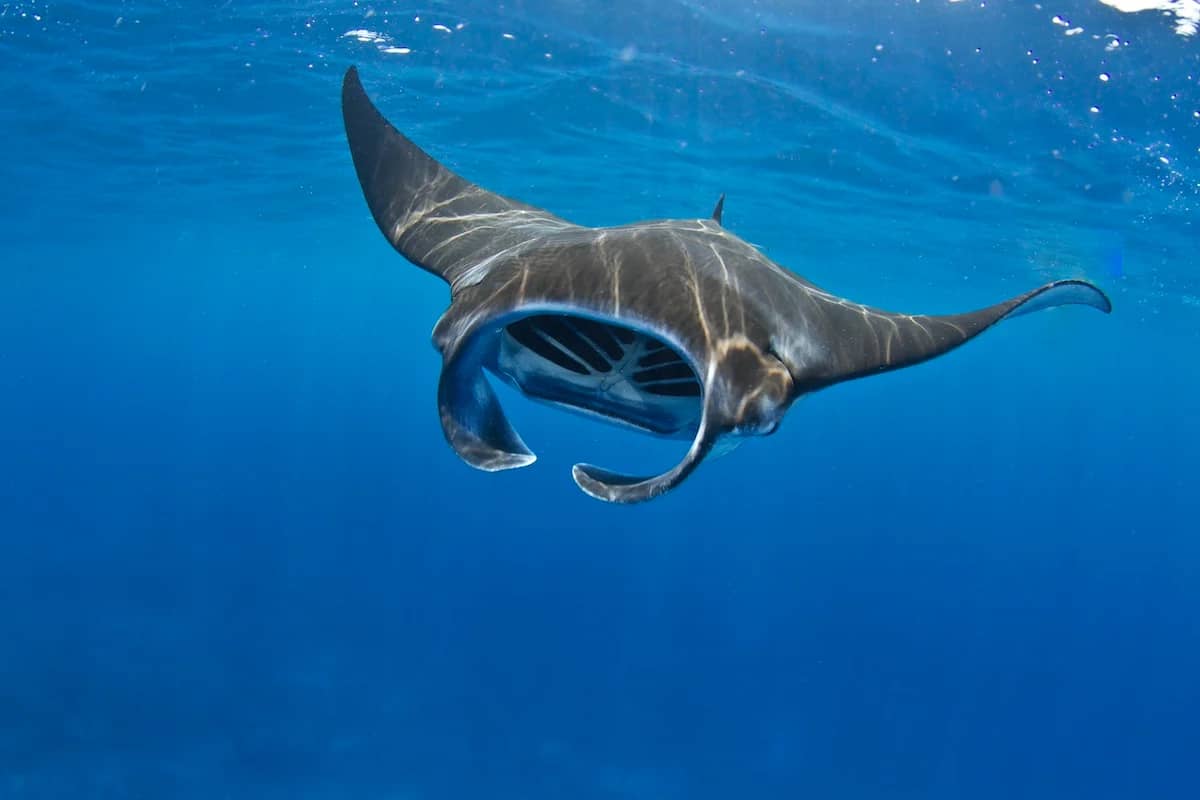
x: 440, y: 221
x: 883, y: 341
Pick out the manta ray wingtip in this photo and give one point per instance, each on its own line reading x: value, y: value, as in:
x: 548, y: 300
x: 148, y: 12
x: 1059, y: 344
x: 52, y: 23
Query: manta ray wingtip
x: 1071, y: 291
x: 350, y: 80
x: 1100, y: 297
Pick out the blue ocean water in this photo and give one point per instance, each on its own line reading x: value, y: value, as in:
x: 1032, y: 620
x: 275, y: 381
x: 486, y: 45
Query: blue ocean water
x: 237, y: 559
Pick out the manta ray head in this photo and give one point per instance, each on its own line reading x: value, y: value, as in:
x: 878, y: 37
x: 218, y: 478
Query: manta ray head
x: 751, y: 389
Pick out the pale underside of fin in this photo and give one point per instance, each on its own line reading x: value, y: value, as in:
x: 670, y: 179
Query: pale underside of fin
x: 473, y: 421
x: 1062, y: 293
x: 615, y: 487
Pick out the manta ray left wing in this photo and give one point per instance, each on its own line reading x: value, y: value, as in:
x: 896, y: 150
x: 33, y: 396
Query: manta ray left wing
x: 861, y: 341
x: 440, y: 221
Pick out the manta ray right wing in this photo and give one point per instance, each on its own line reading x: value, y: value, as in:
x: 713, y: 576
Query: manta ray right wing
x: 438, y: 220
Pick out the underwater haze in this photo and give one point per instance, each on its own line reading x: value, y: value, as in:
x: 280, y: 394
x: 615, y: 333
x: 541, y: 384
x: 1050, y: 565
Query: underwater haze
x: 239, y: 561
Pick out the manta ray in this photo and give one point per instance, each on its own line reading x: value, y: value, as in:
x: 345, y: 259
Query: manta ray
x: 675, y: 327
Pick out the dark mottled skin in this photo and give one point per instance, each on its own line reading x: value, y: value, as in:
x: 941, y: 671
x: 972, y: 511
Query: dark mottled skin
x: 757, y: 335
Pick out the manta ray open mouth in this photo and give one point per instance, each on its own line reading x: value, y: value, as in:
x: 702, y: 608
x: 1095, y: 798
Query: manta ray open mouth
x: 615, y: 372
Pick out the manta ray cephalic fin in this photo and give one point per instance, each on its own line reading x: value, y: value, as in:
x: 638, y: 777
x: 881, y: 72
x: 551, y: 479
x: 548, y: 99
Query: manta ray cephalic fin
x: 615, y: 487
x: 473, y: 421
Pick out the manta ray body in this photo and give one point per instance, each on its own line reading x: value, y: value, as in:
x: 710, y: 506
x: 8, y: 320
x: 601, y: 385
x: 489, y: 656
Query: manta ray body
x: 674, y: 327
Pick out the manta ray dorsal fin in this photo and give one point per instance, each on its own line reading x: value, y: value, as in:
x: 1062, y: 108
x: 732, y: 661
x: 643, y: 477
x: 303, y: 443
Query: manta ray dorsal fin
x: 440, y: 221
x: 720, y: 209
x: 615, y: 487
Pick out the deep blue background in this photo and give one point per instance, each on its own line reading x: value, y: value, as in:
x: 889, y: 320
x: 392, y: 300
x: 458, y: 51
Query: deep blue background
x: 238, y: 560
